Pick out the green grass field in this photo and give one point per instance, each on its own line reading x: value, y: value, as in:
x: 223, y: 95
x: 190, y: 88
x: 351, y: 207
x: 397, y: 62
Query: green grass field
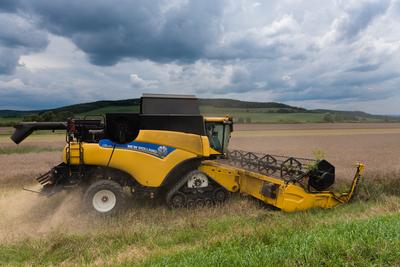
x: 269, y: 115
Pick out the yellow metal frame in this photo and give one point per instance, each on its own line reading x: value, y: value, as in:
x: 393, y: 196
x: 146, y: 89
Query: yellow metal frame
x: 285, y: 196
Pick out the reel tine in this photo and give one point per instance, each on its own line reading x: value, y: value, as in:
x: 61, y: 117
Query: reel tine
x: 268, y: 164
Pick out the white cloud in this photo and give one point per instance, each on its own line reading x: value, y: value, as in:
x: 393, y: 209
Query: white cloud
x: 12, y: 84
x: 138, y: 82
x: 60, y: 53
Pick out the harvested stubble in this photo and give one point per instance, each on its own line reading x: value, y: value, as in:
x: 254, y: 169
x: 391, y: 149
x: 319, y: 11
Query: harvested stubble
x: 378, y: 151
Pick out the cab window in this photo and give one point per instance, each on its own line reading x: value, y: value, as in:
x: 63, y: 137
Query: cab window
x: 218, y: 135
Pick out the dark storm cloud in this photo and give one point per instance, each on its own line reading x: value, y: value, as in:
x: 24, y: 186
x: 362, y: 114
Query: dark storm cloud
x: 283, y: 49
x: 19, y: 33
x: 18, y: 37
x: 9, y: 60
x: 336, y: 93
x: 364, y: 68
x: 22, y: 100
x: 183, y: 31
x: 358, y: 17
x: 161, y: 31
x: 346, y: 86
x: 108, y: 31
x: 364, y: 80
x: 9, y: 5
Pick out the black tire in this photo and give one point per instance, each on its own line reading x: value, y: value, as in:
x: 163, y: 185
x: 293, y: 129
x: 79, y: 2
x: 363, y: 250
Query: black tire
x: 105, y: 197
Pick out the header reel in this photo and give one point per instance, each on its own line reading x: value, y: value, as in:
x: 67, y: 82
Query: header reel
x: 320, y: 173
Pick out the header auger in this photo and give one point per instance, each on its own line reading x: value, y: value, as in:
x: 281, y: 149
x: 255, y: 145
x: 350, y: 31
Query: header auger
x: 169, y: 151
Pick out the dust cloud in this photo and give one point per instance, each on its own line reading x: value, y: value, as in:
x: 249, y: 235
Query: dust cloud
x: 26, y: 214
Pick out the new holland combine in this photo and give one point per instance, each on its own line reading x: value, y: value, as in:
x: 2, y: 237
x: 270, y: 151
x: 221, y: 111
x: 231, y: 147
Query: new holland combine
x: 169, y: 151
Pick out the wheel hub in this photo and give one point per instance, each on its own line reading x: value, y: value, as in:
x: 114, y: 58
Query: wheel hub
x: 104, y: 201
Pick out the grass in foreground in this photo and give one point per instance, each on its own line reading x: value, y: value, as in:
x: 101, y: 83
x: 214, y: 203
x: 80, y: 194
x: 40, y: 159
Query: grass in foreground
x: 367, y: 242
x: 239, y: 233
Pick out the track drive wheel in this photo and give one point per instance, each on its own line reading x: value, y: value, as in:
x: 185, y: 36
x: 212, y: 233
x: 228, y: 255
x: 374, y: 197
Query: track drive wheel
x: 178, y: 200
x: 221, y: 195
x: 105, y: 197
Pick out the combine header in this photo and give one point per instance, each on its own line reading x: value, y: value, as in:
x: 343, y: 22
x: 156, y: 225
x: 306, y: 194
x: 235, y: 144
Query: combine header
x: 169, y: 151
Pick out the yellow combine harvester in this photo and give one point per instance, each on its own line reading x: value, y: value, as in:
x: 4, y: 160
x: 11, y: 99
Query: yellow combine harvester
x: 169, y: 151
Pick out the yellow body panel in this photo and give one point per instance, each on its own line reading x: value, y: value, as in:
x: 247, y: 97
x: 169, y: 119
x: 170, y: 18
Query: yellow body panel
x: 193, y: 143
x: 146, y: 169
x: 294, y: 198
x: 226, y: 177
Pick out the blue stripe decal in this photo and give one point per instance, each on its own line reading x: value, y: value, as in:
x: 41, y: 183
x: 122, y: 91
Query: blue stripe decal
x: 153, y: 149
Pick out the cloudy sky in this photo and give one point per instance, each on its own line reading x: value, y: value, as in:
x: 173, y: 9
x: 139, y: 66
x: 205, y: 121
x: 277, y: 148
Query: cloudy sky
x: 317, y: 54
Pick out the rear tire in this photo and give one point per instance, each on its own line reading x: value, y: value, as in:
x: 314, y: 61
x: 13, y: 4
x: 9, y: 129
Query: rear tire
x: 105, y: 197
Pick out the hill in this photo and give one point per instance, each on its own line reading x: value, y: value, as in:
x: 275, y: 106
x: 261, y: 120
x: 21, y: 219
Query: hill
x: 242, y: 111
x: 233, y: 103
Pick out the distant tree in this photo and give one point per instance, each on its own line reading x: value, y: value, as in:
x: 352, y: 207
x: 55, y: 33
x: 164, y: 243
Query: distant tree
x: 64, y: 115
x: 338, y: 117
x: 34, y: 117
x: 328, y: 118
x: 48, y: 116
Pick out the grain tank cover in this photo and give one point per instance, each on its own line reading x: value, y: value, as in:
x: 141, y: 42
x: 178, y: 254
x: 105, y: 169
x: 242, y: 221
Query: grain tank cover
x: 158, y: 104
